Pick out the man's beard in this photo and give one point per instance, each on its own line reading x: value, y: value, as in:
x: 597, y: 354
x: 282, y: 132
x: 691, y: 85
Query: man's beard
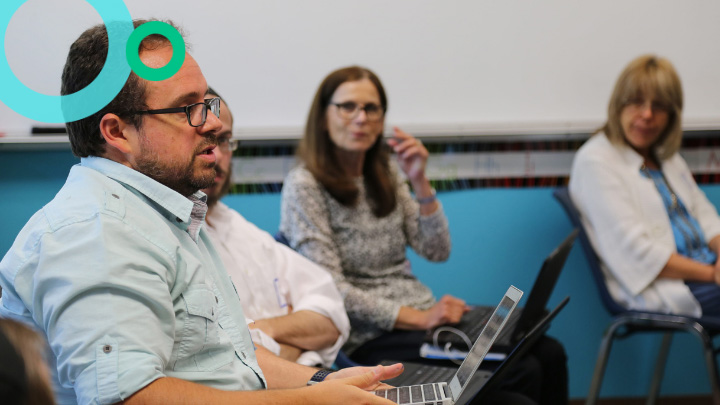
x: 175, y: 174
x: 214, y: 194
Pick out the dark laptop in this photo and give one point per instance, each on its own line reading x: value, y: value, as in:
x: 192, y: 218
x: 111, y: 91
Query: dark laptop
x: 521, y: 321
x: 448, y: 392
x: 483, y: 380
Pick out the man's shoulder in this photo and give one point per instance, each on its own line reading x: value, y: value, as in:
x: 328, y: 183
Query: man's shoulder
x: 73, y: 213
x: 224, y: 216
x: 85, y: 195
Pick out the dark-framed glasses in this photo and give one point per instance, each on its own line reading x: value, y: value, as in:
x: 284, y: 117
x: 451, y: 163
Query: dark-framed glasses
x: 228, y: 144
x: 350, y: 109
x: 640, y: 104
x: 196, y: 113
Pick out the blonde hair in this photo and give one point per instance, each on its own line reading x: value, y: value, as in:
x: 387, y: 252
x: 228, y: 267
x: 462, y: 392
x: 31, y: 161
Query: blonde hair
x: 648, y: 75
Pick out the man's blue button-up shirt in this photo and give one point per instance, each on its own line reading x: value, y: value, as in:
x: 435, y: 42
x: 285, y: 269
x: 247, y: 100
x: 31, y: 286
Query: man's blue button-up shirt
x: 119, y: 274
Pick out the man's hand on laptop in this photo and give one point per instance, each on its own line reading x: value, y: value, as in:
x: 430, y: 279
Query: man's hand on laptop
x: 351, y: 385
x: 382, y: 372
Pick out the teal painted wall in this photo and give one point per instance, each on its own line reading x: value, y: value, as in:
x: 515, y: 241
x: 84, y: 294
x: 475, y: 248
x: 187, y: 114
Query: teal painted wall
x: 500, y: 237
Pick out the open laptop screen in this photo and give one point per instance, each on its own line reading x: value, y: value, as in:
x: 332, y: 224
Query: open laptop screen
x: 484, y: 341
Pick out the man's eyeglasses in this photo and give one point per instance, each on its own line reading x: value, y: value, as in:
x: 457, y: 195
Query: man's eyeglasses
x: 349, y: 110
x: 196, y: 113
x: 228, y: 144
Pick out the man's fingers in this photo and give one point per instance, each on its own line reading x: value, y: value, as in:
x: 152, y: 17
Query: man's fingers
x: 392, y: 371
x: 367, y: 380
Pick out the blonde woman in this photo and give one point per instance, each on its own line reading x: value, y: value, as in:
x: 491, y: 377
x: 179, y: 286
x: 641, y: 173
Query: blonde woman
x: 653, y: 228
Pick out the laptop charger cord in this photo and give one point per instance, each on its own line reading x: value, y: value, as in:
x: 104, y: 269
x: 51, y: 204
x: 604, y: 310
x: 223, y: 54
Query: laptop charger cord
x: 448, y: 345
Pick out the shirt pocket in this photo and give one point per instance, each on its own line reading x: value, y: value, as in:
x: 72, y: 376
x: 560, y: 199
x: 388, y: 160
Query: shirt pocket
x: 200, y: 347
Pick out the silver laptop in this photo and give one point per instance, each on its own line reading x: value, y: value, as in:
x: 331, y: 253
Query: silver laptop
x: 448, y: 393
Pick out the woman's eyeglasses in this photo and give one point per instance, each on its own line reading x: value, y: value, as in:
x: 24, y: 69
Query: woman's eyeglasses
x: 349, y: 110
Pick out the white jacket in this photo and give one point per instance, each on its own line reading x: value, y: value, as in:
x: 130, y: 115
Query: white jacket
x: 628, y: 225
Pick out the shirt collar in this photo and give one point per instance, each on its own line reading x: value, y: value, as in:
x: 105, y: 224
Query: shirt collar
x: 175, y: 204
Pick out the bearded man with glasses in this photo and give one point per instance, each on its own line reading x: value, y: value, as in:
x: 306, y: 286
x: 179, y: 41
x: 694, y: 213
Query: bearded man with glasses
x: 118, y: 273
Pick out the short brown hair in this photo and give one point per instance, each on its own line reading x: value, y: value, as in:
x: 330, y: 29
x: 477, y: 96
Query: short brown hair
x: 648, y: 74
x: 316, y: 149
x: 85, y: 60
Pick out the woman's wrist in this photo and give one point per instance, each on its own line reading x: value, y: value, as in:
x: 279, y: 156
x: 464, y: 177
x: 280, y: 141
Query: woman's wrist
x: 431, y: 198
x: 422, y: 188
x: 410, y: 318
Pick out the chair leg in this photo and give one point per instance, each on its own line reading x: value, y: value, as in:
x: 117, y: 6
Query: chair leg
x: 710, y: 361
x: 659, y: 369
x: 601, y: 363
x: 713, y: 374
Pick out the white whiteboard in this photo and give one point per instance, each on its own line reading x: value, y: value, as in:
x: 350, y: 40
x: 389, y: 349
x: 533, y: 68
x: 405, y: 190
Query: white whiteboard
x: 449, y: 67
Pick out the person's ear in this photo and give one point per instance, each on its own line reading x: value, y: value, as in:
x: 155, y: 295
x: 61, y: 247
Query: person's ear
x: 115, y: 131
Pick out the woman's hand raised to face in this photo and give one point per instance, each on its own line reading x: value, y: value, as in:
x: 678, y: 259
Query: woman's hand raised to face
x: 411, y: 154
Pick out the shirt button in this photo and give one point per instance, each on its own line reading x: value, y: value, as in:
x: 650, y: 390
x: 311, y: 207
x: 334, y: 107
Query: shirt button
x: 216, y: 300
x: 244, y: 355
x: 116, y: 196
x: 107, y: 349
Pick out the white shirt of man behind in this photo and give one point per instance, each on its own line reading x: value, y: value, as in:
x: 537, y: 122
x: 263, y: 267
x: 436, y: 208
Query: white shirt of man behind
x: 273, y: 280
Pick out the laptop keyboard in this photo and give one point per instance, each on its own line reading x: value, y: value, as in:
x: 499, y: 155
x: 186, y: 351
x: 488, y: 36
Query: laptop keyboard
x: 425, y: 393
x: 472, y: 324
x: 424, y: 373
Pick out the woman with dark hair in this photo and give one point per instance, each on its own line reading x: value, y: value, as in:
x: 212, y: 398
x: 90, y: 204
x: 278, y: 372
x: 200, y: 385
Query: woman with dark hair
x: 349, y: 209
x: 656, y: 233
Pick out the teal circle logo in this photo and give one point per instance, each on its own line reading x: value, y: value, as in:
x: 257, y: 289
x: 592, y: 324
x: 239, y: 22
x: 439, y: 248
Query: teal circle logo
x: 112, y: 77
x: 133, y: 46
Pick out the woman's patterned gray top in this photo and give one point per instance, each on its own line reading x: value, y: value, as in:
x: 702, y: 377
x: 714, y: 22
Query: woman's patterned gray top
x: 365, y: 254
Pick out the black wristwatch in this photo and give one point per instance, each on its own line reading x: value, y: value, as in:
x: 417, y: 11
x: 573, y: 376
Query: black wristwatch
x: 320, y: 376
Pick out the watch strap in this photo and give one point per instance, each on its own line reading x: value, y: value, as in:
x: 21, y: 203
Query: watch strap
x: 320, y: 376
